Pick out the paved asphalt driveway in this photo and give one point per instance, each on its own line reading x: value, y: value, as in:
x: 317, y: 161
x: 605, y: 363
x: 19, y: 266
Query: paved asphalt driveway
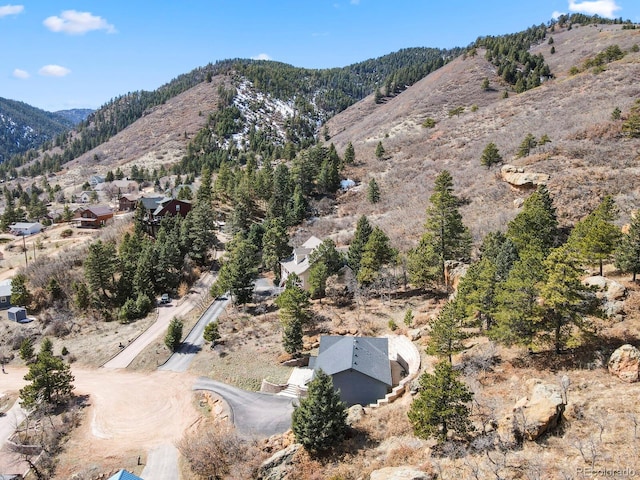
x: 182, y: 358
x: 252, y: 413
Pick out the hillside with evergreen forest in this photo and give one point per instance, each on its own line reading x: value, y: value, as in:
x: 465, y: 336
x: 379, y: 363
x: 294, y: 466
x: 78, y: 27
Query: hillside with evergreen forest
x: 23, y: 127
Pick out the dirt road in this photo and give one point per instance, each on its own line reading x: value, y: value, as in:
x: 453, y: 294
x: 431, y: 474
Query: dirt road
x: 128, y: 414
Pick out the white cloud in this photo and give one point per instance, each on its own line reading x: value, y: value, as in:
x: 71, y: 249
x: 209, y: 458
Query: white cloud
x: 22, y: 74
x: 604, y: 8
x: 77, y: 23
x: 556, y: 14
x: 261, y: 56
x: 54, y: 71
x: 7, y: 10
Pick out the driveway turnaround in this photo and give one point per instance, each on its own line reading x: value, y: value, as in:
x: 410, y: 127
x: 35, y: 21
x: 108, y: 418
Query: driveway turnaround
x: 253, y: 413
x: 182, y: 358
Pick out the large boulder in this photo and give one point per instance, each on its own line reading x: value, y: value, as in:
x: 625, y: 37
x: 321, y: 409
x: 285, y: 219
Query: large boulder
x: 400, y: 473
x: 534, y: 416
x: 276, y: 467
x: 519, y: 179
x: 606, y: 289
x: 625, y: 363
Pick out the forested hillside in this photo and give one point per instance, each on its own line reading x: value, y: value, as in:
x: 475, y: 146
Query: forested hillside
x: 23, y: 127
x: 318, y: 95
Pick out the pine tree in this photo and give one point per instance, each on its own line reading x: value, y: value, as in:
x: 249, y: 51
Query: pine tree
x: 490, y: 156
x: 373, y: 191
x: 20, y: 294
x: 518, y: 313
x: 528, y: 144
x: 51, y: 381
x: 380, y: 152
x: 238, y: 272
x: 562, y: 296
x: 320, y: 421
x: 349, y: 154
x: 376, y: 253
x: 596, y: 237
x: 99, y: 269
x: 275, y: 245
x: 356, y: 247
x: 477, y: 291
x: 628, y: 253
x: 295, y: 311
x: 173, y: 338
x: 446, y: 335
x: 441, y: 406
x: 536, y: 226
x: 446, y: 237
x: 211, y: 333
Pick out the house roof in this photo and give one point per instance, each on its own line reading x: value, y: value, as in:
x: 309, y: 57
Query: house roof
x: 23, y: 225
x: 5, y: 288
x: 99, y: 210
x: 367, y: 355
x: 17, y: 309
x: 150, y: 203
x: 124, y: 475
x: 298, y: 263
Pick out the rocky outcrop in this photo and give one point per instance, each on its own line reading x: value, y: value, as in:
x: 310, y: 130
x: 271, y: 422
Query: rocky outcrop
x: 400, y: 473
x: 519, y: 179
x: 625, y: 363
x: 276, y: 467
x: 609, y: 293
x: 355, y: 413
x: 534, y: 416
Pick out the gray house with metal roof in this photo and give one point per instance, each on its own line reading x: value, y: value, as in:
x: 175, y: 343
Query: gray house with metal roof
x: 359, y: 366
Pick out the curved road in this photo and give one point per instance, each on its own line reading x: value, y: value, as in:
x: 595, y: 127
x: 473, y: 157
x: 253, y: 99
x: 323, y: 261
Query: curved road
x: 182, y: 358
x: 252, y: 413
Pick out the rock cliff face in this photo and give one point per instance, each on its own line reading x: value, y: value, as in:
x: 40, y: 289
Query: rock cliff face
x: 521, y: 180
x: 625, y: 363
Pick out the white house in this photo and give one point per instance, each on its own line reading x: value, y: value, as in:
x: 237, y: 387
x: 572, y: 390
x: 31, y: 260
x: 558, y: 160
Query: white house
x: 298, y: 263
x: 22, y: 228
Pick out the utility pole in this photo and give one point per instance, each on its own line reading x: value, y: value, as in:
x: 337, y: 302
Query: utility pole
x: 24, y: 247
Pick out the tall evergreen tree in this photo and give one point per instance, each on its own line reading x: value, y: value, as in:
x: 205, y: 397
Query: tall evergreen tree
x: 376, y: 253
x: 536, y: 226
x: 528, y: 144
x: 20, y: 294
x: 373, y: 191
x: 295, y: 311
x: 441, y: 407
x: 445, y: 238
x: 99, y: 269
x: 320, y: 421
x: 477, y: 291
x: 380, y: 151
x: 563, y: 295
x: 275, y: 245
x: 51, y: 381
x: 446, y: 335
x: 596, y: 237
x: 238, y: 272
x: 349, y: 154
x: 356, y: 247
x: 628, y: 253
x: 519, y: 313
x: 490, y: 155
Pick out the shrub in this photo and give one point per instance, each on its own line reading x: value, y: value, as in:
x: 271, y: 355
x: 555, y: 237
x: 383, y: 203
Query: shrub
x: 429, y: 123
x: 66, y: 233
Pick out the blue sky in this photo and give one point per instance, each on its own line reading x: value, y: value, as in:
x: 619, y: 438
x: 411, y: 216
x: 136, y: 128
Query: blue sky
x: 60, y: 54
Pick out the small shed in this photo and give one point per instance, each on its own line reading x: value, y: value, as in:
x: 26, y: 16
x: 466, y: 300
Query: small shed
x: 17, y: 314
